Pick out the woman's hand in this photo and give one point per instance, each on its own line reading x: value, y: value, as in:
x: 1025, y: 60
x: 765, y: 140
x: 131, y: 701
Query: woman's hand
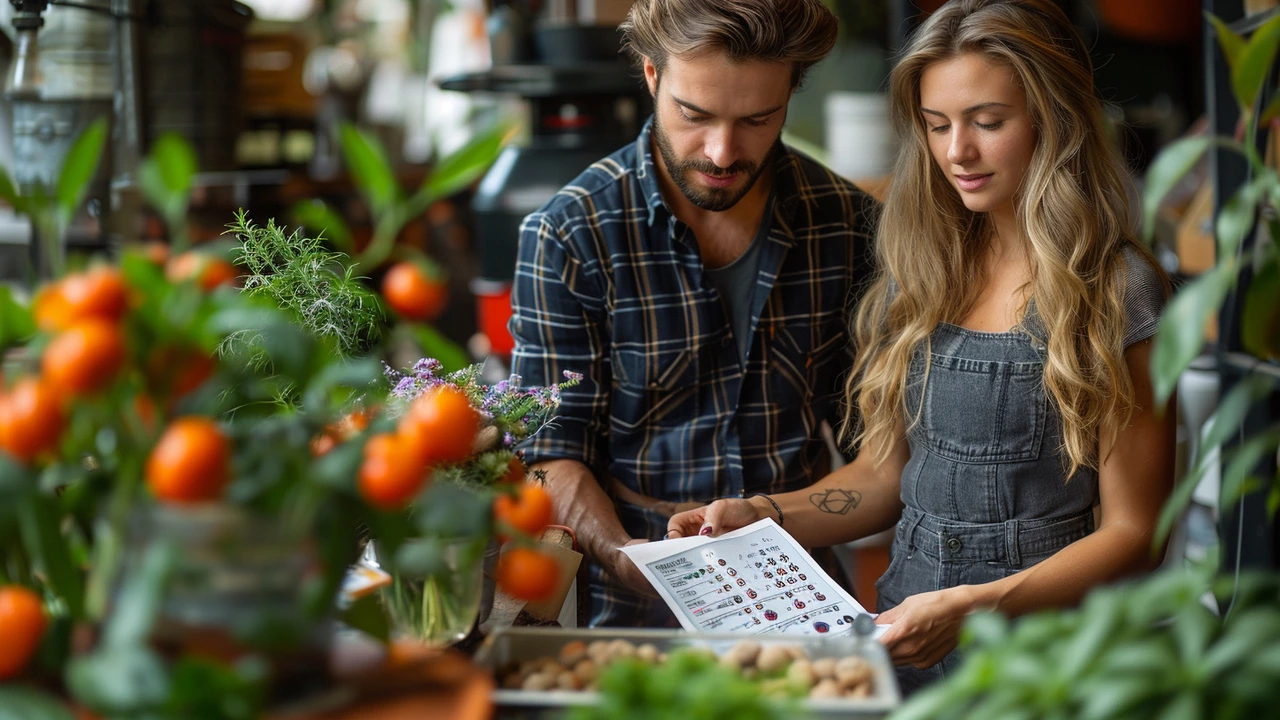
x: 719, y: 517
x: 926, y: 626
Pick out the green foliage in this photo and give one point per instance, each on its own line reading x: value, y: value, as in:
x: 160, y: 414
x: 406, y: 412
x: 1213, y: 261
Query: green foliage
x: 16, y: 323
x: 1139, y: 651
x: 689, y: 686
x: 316, y: 286
x: 166, y: 177
x: 1181, y: 333
x: 391, y: 208
x: 51, y: 209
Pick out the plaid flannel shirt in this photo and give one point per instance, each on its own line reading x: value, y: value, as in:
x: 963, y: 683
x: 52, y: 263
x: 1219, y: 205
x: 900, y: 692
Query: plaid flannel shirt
x: 610, y: 284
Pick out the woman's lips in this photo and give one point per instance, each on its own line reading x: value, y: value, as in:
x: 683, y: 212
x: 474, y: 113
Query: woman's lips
x: 970, y: 183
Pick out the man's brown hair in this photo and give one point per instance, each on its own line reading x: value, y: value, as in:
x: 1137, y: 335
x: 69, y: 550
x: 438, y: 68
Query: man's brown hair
x: 801, y: 32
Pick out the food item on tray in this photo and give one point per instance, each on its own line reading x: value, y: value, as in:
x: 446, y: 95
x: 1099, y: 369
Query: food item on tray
x: 778, y: 669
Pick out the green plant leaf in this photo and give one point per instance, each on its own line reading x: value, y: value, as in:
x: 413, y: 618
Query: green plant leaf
x: 984, y: 629
x: 355, y: 374
x: 129, y: 681
x: 467, y: 164
x: 79, y: 167
x: 1181, y: 331
x: 1232, y: 44
x: 21, y: 703
x: 9, y: 193
x: 1169, y: 166
x: 1273, y: 499
x: 1254, y: 62
x: 40, y: 523
x: 1241, y: 462
x: 448, y: 511
x: 1260, y: 325
x: 1193, y: 628
x: 1113, y: 697
x: 367, y: 616
x: 1269, y: 113
x: 1246, y: 634
x: 175, y: 159
x: 1102, y: 617
x: 1237, y: 216
x: 319, y: 217
x: 139, y: 603
x: 1225, y: 421
x: 16, y: 323
x: 367, y: 163
x: 1186, y: 706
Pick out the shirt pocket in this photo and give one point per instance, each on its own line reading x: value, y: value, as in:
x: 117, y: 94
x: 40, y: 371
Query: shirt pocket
x: 983, y: 410
x: 804, y: 359
x: 653, y: 389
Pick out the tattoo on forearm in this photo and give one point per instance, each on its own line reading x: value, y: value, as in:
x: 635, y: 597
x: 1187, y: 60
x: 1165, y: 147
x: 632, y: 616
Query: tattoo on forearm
x: 836, y: 502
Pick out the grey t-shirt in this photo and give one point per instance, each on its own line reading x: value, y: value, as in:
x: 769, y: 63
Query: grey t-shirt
x: 736, y: 283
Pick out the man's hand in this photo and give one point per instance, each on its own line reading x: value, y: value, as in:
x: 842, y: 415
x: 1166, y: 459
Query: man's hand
x: 627, y: 574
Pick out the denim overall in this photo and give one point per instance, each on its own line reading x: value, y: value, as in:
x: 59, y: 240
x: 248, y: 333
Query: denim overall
x: 985, y: 491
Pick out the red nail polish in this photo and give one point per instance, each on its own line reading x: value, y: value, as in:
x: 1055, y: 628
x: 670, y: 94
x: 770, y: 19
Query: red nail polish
x: 706, y: 530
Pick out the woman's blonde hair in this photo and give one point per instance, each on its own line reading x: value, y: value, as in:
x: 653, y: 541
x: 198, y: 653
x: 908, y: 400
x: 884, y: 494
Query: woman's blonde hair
x: 1072, y: 208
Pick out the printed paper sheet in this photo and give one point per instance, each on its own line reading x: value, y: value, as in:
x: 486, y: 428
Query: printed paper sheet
x: 756, y: 579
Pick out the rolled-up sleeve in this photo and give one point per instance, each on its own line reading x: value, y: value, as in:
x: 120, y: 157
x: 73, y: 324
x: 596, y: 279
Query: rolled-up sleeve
x: 557, y: 322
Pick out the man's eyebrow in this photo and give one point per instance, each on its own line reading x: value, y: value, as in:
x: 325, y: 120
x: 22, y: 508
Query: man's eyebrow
x: 969, y: 110
x: 697, y: 109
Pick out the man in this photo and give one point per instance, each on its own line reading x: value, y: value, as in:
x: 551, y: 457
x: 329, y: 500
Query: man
x: 700, y: 279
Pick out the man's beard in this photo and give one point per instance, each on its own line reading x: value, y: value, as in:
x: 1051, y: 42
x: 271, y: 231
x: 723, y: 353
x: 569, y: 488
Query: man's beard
x: 713, y: 199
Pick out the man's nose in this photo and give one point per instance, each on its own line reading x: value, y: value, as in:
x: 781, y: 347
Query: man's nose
x: 719, y: 147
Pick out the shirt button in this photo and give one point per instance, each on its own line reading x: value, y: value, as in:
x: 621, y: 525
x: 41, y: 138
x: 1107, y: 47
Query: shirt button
x: 954, y: 545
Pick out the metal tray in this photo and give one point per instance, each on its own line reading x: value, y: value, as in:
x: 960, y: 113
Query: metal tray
x: 517, y: 644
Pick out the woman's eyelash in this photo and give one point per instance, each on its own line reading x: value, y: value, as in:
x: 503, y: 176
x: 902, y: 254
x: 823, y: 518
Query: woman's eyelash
x: 992, y: 126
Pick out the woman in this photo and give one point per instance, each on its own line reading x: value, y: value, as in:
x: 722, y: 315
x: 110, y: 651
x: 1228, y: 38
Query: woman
x: 1001, y: 385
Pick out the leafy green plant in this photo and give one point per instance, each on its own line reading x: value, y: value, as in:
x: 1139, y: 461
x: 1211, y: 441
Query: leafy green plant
x: 1181, y: 332
x: 313, y: 284
x: 390, y: 207
x: 166, y: 178
x: 1147, y: 650
x: 689, y: 686
x: 51, y: 209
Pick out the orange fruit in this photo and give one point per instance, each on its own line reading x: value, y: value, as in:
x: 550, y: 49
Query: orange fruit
x: 343, y: 430
x: 84, y: 358
x: 50, y: 308
x: 31, y: 420
x: 22, y: 623
x: 190, y: 463
x: 527, y: 574
x: 441, y: 426
x: 208, y: 271
x: 157, y: 252
x: 389, y: 478
x: 411, y: 293
x: 98, y: 293
x: 529, y: 511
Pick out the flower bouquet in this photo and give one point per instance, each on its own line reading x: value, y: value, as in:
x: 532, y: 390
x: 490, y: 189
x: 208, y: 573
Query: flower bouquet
x: 466, y: 432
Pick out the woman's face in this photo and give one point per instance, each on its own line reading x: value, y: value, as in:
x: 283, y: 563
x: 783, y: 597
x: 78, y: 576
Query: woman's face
x: 979, y: 129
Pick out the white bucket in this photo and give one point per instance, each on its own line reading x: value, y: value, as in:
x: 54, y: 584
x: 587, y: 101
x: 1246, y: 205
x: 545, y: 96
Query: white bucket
x: 860, y: 142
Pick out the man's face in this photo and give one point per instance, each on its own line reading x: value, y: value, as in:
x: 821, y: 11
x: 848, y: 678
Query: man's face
x: 717, y: 123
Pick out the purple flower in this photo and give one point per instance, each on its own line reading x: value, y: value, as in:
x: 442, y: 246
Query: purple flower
x: 573, y: 377
x: 427, y: 367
